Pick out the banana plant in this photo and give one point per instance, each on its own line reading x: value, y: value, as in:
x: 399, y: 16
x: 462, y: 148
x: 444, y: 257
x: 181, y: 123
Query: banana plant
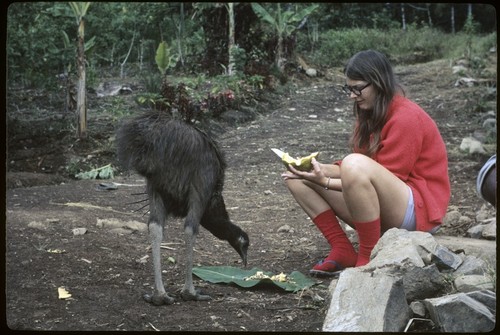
x: 163, y: 57
x: 80, y: 10
x: 282, y: 22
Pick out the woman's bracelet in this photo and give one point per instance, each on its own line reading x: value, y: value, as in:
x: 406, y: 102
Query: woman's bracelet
x: 327, y: 187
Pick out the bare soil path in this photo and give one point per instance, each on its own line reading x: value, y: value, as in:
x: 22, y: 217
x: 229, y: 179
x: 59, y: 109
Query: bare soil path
x: 107, y: 270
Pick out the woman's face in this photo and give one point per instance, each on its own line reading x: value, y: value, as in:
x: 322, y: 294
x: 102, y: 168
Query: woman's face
x: 366, y: 98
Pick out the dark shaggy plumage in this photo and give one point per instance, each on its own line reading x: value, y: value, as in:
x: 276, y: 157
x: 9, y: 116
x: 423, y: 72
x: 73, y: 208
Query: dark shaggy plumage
x: 184, y: 170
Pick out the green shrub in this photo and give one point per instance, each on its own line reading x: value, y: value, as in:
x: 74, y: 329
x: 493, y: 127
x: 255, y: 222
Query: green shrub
x: 416, y: 44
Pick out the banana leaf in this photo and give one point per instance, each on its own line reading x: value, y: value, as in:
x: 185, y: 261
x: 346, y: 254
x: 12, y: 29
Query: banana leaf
x: 104, y: 172
x: 295, y: 281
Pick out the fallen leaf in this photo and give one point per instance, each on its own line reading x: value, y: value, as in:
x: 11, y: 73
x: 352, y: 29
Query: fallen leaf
x: 294, y: 282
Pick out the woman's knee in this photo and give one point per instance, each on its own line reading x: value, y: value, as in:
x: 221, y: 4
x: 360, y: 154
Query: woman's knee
x: 355, y: 168
x: 294, y: 185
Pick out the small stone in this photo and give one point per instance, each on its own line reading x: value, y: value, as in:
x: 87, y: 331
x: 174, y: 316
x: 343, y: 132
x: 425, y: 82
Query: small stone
x: 79, y: 231
x: 444, y: 258
x: 285, y: 229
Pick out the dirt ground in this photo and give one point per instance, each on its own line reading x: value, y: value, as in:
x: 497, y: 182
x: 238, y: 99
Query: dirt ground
x: 107, y: 270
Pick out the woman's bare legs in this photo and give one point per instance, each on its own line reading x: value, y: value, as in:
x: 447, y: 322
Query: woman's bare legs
x: 369, y: 192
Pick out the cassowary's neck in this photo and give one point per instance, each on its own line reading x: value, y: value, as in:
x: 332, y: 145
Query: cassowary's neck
x: 222, y: 228
x: 217, y: 222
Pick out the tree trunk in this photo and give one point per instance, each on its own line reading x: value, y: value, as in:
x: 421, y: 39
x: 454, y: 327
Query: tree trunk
x: 429, y: 14
x: 231, y: 43
x: 403, y: 18
x: 215, y: 28
x: 280, y: 62
x: 122, y: 65
x: 452, y: 19
x: 180, y: 34
x: 81, y: 101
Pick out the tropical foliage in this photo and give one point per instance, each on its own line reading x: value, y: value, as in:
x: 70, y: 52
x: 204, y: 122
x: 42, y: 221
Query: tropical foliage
x: 38, y: 32
x: 221, y: 54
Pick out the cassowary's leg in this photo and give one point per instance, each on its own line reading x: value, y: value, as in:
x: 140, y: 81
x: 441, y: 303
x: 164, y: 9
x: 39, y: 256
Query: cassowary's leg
x: 188, y: 291
x: 155, y: 225
x: 191, y: 230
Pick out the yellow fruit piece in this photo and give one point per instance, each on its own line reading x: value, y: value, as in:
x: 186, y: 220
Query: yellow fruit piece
x: 281, y: 277
x: 260, y: 275
x: 301, y: 163
x: 257, y: 275
x: 63, y: 294
x: 56, y: 251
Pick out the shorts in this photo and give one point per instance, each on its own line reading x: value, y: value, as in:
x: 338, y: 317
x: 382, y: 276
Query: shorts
x: 410, y: 220
x: 483, y: 173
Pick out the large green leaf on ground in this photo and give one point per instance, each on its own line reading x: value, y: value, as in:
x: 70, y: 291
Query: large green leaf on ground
x: 294, y: 282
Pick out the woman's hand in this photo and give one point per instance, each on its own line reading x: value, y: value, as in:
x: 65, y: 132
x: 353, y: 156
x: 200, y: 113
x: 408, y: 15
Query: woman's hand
x: 316, y: 175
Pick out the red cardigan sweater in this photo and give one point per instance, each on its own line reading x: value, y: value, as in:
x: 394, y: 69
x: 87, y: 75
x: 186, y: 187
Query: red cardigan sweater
x: 412, y: 148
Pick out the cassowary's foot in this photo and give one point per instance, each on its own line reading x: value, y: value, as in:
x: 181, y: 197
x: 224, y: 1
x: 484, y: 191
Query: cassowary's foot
x: 159, y: 299
x: 196, y: 296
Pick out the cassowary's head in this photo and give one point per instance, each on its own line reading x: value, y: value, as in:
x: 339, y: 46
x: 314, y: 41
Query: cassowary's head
x: 240, y: 244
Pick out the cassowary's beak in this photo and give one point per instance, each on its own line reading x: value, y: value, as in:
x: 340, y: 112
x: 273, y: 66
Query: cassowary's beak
x: 242, y: 249
x: 244, y: 258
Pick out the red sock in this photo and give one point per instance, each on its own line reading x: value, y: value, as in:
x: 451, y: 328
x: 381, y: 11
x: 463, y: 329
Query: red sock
x: 342, y: 254
x: 368, y: 235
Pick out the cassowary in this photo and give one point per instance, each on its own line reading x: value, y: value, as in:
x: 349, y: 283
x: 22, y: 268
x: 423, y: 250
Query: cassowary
x: 184, y: 171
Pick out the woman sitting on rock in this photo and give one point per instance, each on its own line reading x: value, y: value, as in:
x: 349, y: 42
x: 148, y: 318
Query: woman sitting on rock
x: 396, y: 177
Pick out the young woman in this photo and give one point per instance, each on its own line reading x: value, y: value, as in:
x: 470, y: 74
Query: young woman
x: 396, y: 177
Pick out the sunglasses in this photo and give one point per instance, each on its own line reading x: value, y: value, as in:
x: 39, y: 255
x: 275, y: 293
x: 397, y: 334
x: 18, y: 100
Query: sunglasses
x: 354, y: 89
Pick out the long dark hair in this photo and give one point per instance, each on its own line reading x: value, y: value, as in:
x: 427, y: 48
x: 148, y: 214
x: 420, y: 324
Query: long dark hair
x: 374, y: 68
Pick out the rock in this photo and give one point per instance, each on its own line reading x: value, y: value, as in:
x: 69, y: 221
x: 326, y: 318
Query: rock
x: 366, y: 298
x: 109, y: 223
x: 451, y: 217
x: 475, y: 231
x: 460, y: 313
x: 368, y: 303
x: 486, y: 297
x: 136, y: 225
x: 120, y: 224
x: 79, y: 231
x: 37, y: 225
x: 465, y: 81
x: 484, y: 249
x: 311, y: 72
x: 112, y: 89
x: 490, y: 231
x: 464, y: 220
x: 489, y: 115
x: 401, y: 246
x: 458, y: 69
x: 484, y: 213
x: 472, y: 146
x: 285, y: 229
x: 445, y: 259
x: 422, y: 282
x: 490, y: 123
x: 472, y: 266
x: 418, y: 309
x: 470, y: 283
